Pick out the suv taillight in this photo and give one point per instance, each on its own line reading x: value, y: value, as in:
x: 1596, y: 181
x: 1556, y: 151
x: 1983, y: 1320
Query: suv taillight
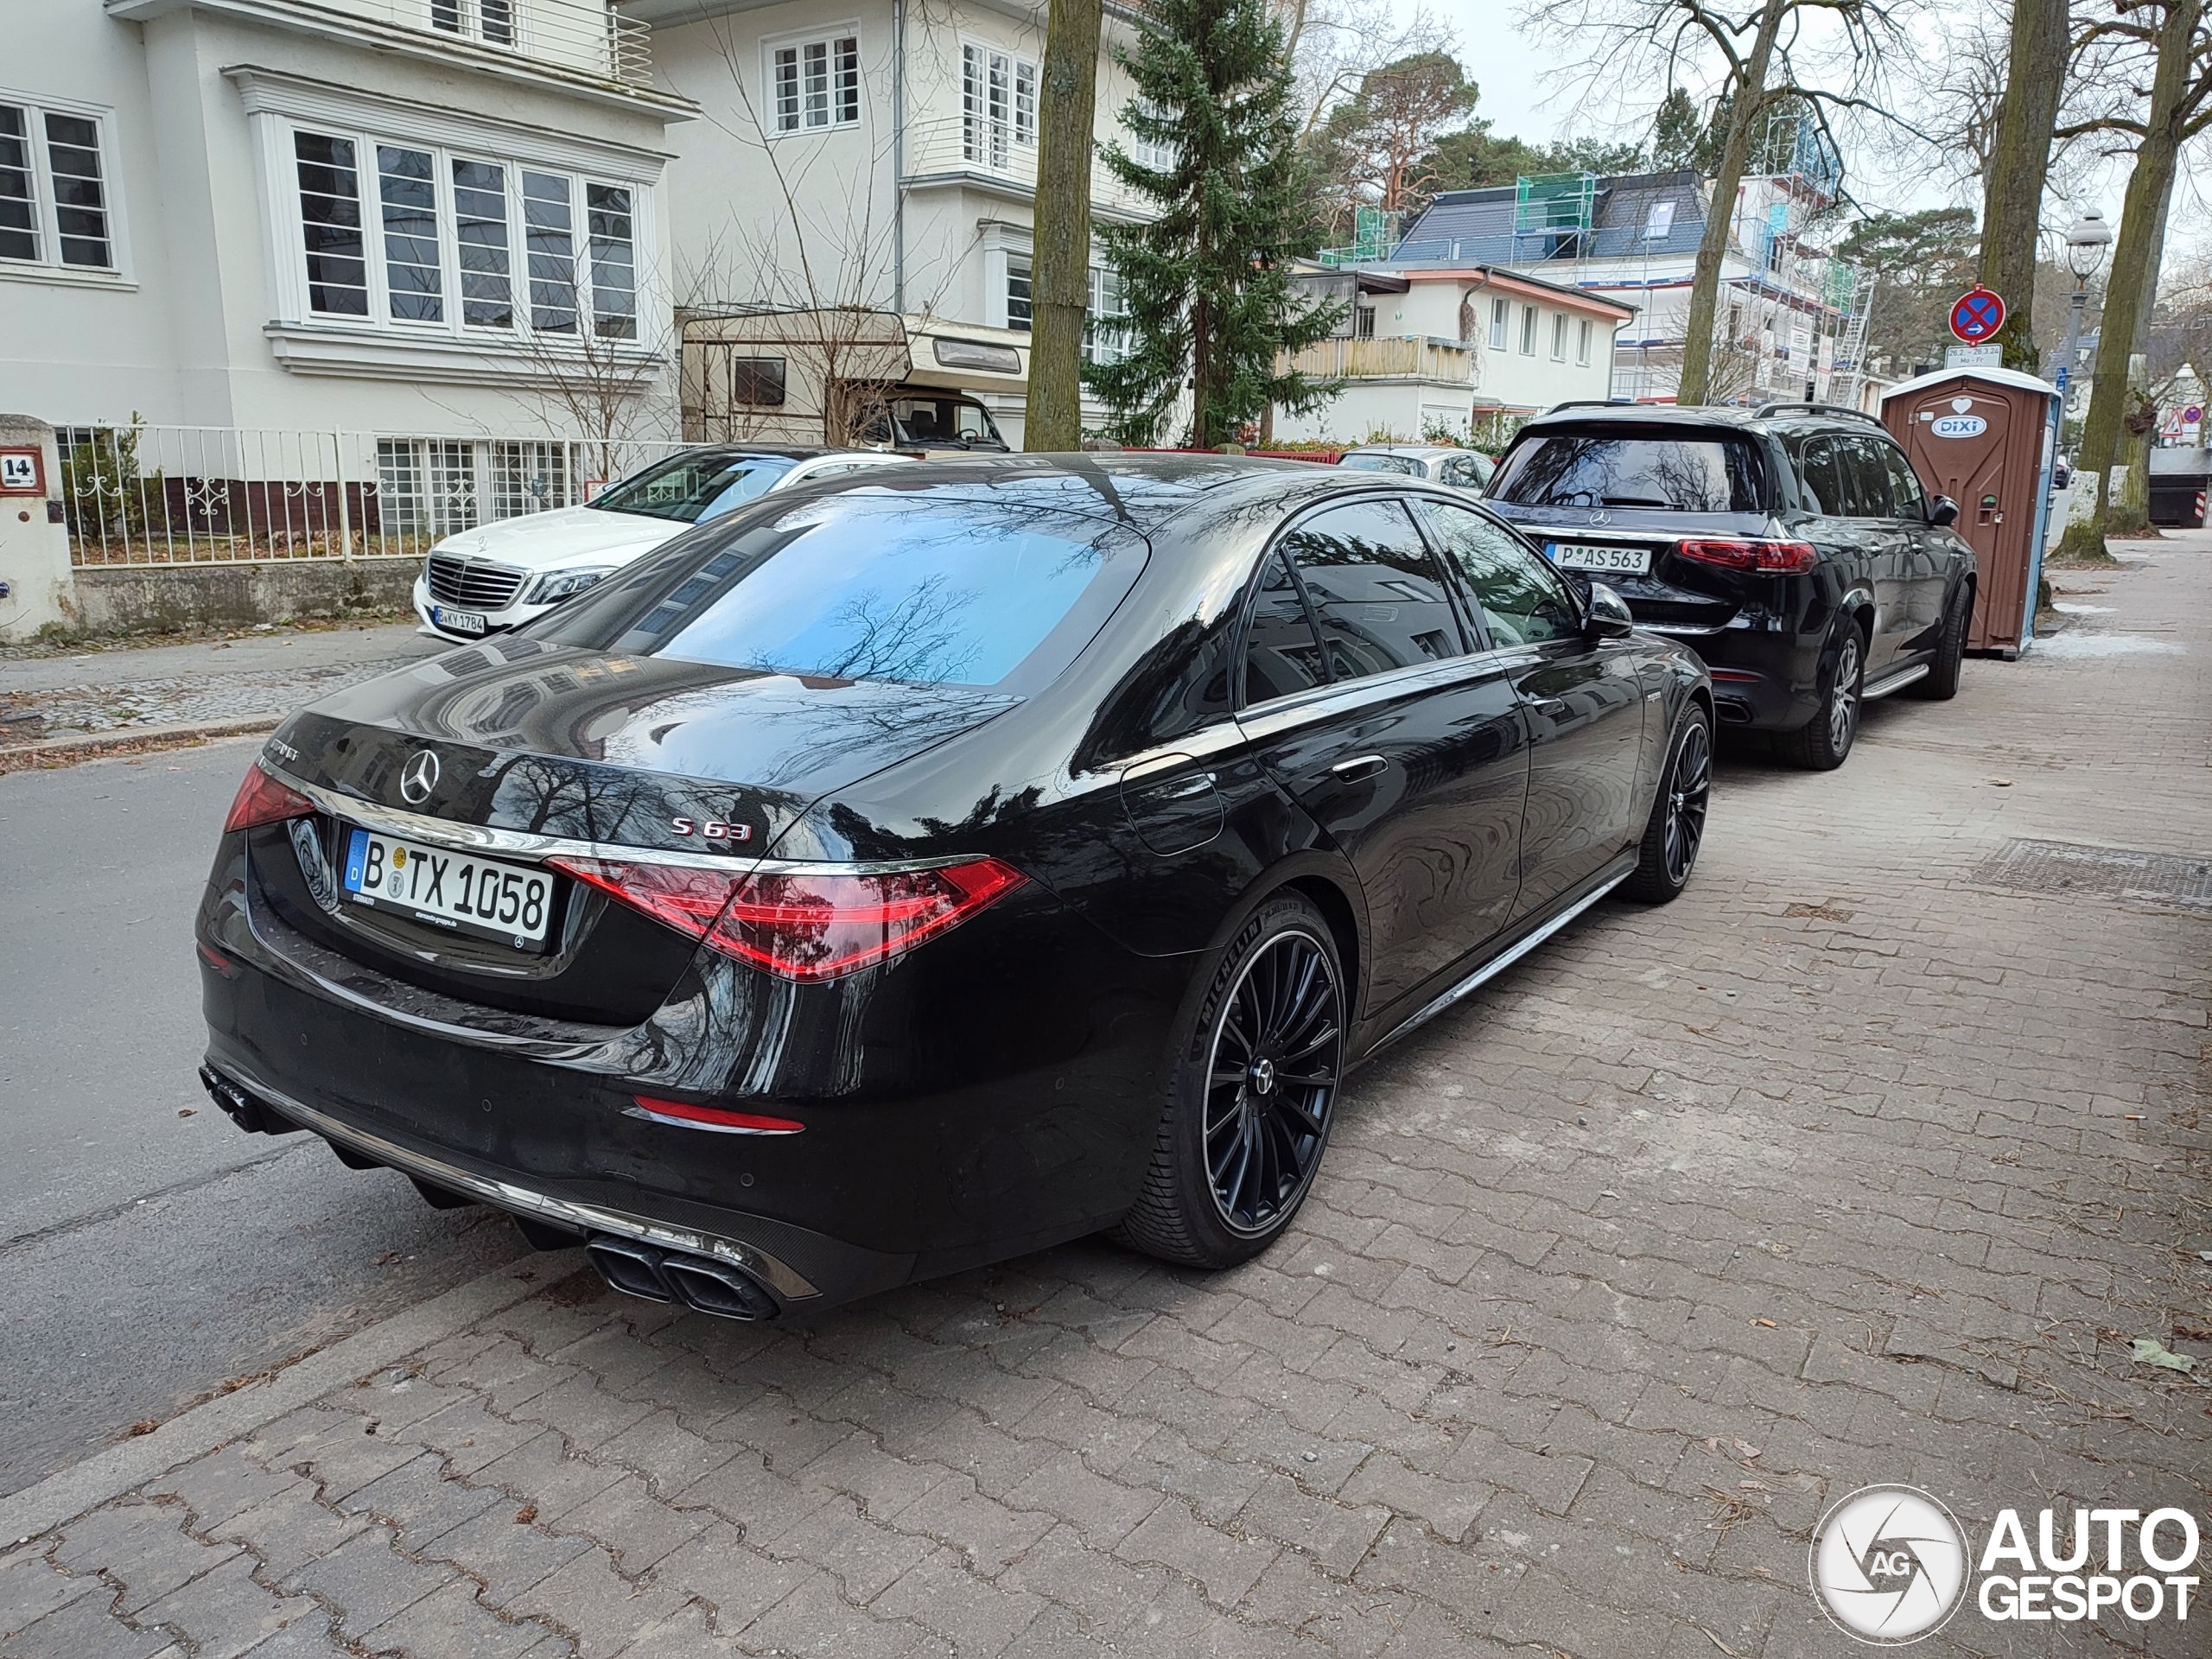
x: 261, y: 799
x: 807, y: 927
x: 1766, y: 558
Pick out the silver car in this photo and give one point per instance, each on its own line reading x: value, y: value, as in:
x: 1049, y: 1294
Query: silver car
x: 1470, y: 469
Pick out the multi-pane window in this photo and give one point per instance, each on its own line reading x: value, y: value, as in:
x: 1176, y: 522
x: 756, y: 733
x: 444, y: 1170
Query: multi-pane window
x: 816, y: 84
x: 420, y: 237
x: 1020, y: 294
x: 330, y: 224
x: 1158, y: 154
x: 407, y: 188
x: 491, y: 21
x: 1104, y: 337
x: 529, y: 478
x: 549, y: 232
x: 998, y: 105
x: 54, y: 198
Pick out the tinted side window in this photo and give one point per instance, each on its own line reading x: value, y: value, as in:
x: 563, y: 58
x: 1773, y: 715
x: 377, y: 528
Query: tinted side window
x: 1282, y: 654
x: 1904, y: 487
x: 1379, y: 598
x: 1817, y: 472
x: 1523, y: 602
x: 1866, y: 477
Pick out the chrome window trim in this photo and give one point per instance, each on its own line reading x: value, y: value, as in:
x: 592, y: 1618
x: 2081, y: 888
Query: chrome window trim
x: 1279, y: 713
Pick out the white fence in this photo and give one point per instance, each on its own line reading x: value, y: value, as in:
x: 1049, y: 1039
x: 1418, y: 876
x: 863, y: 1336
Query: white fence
x: 139, y: 494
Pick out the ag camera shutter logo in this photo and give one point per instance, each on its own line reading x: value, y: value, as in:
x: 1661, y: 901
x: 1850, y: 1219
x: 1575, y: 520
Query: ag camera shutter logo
x: 1889, y: 1565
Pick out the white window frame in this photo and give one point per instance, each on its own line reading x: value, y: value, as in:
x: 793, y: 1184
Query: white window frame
x: 1528, y: 331
x: 1582, y: 331
x: 469, y: 21
x: 991, y: 137
x: 1103, y: 340
x: 1160, y: 156
x: 1501, y: 323
x: 47, y: 266
x: 1558, y: 336
x: 1025, y: 262
x: 839, y: 112
x: 291, y: 255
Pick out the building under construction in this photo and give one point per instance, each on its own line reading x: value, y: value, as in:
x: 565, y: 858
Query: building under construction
x: 1791, y: 319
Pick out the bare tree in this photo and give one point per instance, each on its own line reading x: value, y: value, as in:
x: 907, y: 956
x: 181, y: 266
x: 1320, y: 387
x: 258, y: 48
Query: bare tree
x: 1060, y: 236
x: 1760, y: 64
x: 2174, y: 36
x: 1332, y: 43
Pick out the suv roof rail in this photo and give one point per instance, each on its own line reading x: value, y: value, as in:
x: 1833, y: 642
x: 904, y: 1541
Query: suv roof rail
x: 1766, y: 410
x: 1592, y: 402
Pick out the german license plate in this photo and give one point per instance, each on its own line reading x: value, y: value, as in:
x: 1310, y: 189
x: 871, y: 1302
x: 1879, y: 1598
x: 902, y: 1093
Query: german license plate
x: 1581, y: 556
x: 458, y: 621
x: 448, y: 889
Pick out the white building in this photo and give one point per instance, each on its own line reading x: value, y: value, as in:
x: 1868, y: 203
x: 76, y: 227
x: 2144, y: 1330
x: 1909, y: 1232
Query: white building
x: 404, y: 216
x: 1791, y: 320
x: 880, y: 155
x: 1448, y: 352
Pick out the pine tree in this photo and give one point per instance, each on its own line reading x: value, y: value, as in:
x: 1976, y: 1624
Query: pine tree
x: 1207, y: 284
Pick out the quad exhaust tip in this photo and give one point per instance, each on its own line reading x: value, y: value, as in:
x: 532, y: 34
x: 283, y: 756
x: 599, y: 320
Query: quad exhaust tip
x: 700, y: 1283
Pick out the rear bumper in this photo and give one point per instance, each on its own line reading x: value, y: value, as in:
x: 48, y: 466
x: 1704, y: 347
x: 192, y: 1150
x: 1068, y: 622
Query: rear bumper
x: 903, y: 1171
x: 1764, y: 680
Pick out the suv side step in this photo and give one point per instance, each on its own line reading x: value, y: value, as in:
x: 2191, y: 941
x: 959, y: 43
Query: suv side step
x: 1896, y: 681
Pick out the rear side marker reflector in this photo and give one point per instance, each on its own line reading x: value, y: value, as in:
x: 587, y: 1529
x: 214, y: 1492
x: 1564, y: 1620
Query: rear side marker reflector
x: 807, y: 928
x: 1765, y: 557
x: 714, y: 1117
x: 1733, y: 675
x: 261, y: 799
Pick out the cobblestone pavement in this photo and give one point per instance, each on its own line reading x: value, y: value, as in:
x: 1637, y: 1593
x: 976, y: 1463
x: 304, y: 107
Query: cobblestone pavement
x: 254, y: 677
x: 1864, y: 1162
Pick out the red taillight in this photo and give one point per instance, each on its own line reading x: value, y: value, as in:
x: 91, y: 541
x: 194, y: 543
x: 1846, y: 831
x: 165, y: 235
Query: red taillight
x: 261, y: 799
x: 1765, y: 558
x: 806, y: 927
x: 715, y: 1117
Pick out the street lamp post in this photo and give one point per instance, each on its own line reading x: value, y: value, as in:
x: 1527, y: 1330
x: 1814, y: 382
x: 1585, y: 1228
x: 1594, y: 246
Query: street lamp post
x: 2086, y: 243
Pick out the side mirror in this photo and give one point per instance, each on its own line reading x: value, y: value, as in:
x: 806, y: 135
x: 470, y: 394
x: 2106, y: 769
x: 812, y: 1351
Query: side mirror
x: 1610, y: 617
x: 1942, y: 510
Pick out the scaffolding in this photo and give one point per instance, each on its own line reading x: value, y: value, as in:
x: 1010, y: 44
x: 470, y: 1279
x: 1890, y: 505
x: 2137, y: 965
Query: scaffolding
x: 1374, y: 233
x: 1552, y: 214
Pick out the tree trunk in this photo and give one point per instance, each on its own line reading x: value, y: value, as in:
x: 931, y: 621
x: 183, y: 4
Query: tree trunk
x: 2020, y: 162
x: 2135, y: 268
x: 1746, y: 105
x: 1060, y: 256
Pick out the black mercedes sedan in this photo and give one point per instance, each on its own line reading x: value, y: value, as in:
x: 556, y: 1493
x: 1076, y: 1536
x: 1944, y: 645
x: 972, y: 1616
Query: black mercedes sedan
x: 902, y: 873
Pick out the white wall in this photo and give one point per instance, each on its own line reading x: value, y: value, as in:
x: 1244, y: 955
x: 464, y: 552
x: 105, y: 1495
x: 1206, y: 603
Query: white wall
x: 192, y: 328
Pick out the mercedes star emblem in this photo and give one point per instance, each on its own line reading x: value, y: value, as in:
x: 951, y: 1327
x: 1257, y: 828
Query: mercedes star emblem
x: 1601, y: 517
x: 419, y: 777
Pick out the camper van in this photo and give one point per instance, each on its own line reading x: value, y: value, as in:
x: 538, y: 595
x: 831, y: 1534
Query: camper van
x: 850, y: 376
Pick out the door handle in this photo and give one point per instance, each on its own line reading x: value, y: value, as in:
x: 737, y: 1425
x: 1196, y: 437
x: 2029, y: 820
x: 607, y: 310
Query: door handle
x: 1363, y: 765
x: 1549, y: 705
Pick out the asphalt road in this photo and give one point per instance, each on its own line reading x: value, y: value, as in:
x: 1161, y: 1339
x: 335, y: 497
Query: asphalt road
x: 148, y: 1255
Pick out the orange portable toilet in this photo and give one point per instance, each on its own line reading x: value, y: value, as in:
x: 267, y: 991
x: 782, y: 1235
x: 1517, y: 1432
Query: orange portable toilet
x: 1986, y: 438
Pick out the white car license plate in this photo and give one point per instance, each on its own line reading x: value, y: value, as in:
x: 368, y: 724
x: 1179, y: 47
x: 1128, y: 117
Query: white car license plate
x: 448, y: 889
x: 458, y: 621
x: 1619, y: 561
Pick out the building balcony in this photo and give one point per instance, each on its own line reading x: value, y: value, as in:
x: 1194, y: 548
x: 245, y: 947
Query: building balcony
x: 1437, y: 362
x: 586, y: 38
x: 989, y: 156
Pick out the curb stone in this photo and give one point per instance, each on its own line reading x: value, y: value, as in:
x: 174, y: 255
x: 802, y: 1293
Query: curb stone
x: 56, y: 752
x: 107, y: 1474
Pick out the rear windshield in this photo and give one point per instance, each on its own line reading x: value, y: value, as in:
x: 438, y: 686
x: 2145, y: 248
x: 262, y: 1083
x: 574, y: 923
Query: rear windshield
x: 1371, y: 463
x: 1715, y: 473
x: 692, y: 488
x: 870, y: 587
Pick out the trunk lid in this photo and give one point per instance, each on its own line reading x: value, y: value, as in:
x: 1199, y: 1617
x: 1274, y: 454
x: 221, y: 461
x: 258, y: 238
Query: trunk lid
x: 1672, y: 592
x: 621, y: 752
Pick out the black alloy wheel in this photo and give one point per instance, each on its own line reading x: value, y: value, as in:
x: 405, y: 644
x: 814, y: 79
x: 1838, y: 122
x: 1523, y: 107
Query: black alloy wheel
x: 1252, y: 1097
x: 1942, y: 682
x: 1823, y: 741
x: 1676, y: 830
x: 1273, y: 1080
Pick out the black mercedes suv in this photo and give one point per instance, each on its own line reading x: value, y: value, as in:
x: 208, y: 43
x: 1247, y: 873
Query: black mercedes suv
x: 1791, y: 545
